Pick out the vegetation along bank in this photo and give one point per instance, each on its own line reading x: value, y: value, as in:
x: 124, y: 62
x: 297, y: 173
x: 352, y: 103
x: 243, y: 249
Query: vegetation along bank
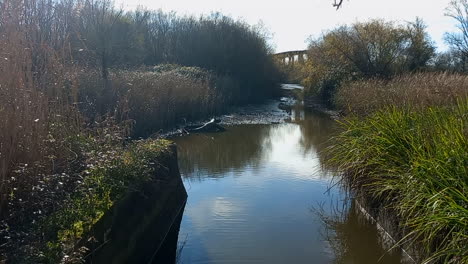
x: 404, y: 139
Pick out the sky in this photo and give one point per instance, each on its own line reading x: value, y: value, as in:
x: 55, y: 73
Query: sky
x: 291, y: 22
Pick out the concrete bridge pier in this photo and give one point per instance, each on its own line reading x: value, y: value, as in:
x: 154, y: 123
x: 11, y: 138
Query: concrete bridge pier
x: 292, y: 57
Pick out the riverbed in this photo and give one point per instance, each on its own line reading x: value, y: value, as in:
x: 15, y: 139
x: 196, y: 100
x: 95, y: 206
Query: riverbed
x: 260, y: 193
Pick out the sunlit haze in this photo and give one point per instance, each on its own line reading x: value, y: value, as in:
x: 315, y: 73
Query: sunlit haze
x: 293, y: 21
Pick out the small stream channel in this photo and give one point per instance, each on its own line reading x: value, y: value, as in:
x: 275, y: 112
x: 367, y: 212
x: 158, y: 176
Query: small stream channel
x: 259, y: 193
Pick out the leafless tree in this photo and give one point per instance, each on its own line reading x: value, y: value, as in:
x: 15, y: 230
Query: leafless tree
x: 458, y: 10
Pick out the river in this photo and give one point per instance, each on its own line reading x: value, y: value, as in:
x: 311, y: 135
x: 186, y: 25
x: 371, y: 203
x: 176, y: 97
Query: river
x: 261, y: 194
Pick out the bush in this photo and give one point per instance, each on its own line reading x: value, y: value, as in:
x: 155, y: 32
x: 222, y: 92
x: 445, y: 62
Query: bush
x: 157, y: 101
x: 374, y: 49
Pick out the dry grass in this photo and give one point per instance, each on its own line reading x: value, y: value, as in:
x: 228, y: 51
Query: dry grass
x: 415, y: 91
x: 155, y: 100
x: 161, y: 100
x: 36, y: 90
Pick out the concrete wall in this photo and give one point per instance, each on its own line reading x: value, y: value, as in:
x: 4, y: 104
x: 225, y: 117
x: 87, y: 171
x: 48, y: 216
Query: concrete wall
x: 143, y: 227
x: 388, y: 227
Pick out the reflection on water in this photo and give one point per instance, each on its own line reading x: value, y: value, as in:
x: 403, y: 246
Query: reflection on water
x: 251, y: 190
x: 353, y: 239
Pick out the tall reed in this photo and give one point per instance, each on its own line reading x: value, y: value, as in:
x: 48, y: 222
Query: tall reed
x: 414, y: 91
x: 414, y: 162
x: 36, y: 91
x: 156, y: 98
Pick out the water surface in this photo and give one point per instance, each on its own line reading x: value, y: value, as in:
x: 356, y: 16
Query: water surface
x: 260, y: 194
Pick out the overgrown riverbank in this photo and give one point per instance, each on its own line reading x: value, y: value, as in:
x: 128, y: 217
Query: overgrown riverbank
x: 415, y: 164
x: 79, y: 80
x: 407, y: 150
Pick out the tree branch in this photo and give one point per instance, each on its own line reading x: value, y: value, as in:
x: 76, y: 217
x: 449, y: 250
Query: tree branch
x: 337, y: 4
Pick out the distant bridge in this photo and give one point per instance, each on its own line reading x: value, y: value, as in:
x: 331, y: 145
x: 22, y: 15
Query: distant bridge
x: 291, y: 57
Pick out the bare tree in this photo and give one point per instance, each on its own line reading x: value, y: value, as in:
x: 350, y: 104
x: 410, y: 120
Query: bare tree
x: 99, y: 21
x: 458, y: 10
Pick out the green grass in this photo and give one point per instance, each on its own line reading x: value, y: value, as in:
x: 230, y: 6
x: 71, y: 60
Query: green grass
x: 416, y: 163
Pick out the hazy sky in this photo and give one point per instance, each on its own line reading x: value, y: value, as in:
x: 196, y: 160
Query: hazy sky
x: 292, y: 21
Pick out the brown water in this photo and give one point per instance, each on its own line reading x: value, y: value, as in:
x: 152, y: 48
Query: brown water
x: 260, y: 194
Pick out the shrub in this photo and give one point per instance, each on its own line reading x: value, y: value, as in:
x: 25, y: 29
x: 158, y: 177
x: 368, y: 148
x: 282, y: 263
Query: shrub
x: 373, y: 49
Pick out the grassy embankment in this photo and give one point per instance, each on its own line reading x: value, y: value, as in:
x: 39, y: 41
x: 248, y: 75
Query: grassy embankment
x: 405, y: 144
x: 79, y: 80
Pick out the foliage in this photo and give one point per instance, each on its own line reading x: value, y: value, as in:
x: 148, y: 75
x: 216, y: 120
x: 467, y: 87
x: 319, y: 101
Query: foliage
x: 37, y: 89
x: 291, y: 72
x: 414, y: 162
x: 110, y: 38
x: 163, y: 100
x: 365, y: 50
x: 160, y: 97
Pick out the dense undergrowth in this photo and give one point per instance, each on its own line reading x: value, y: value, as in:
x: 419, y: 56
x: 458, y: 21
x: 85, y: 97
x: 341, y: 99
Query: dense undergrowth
x: 414, y: 162
x: 105, y: 182
x: 405, y: 145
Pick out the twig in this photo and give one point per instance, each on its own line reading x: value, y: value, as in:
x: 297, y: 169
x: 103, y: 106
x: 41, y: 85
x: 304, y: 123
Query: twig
x: 338, y: 5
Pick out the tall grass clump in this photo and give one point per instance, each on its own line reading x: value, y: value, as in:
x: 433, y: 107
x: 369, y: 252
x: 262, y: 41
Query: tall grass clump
x: 416, y: 164
x: 415, y: 91
x: 161, y: 100
x: 155, y: 98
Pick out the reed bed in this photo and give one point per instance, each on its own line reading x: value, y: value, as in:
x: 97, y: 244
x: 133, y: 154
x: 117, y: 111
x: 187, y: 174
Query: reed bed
x: 156, y: 98
x: 37, y: 91
x: 415, y: 162
x: 415, y: 91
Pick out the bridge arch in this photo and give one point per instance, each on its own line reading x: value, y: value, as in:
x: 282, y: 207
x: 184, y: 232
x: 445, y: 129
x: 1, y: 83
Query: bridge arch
x: 292, y: 57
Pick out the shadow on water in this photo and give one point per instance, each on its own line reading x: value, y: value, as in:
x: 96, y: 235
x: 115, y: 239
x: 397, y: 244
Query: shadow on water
x: 317, y: 129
